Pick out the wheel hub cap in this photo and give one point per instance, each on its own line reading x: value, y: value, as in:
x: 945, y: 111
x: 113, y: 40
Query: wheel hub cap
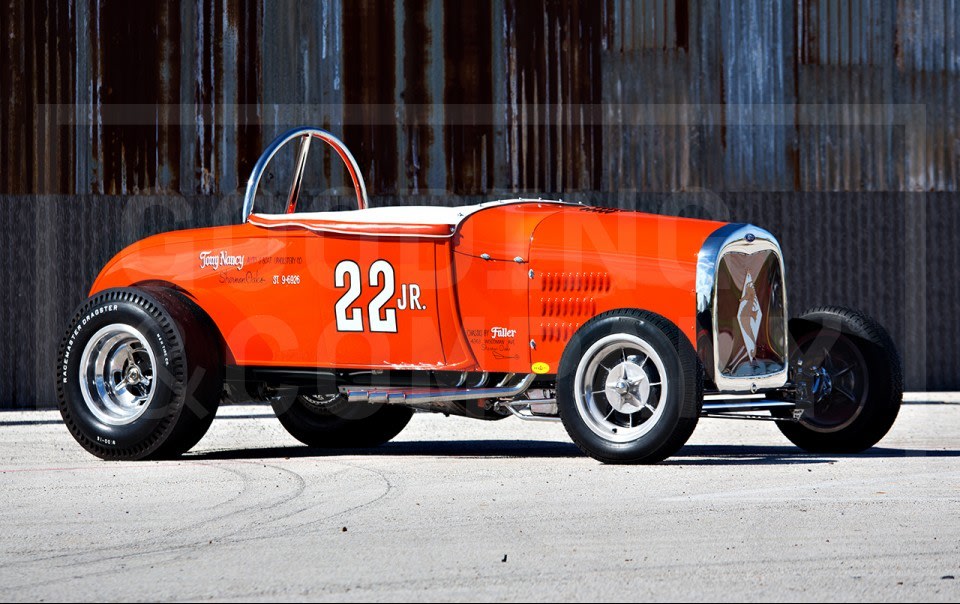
x: 117, y: 374
x: 627, y: 387
x: 620, y: 387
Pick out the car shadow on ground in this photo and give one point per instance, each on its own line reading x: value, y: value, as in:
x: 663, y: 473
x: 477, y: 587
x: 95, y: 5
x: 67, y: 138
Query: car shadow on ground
x: 707, y: 455
x: 690, y: 455
x: 446, y: 448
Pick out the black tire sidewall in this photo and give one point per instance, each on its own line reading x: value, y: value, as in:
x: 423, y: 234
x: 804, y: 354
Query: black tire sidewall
x: 884, y: 377
x: 677, y: 403
x: 140, y: 437
x: 358, y: 425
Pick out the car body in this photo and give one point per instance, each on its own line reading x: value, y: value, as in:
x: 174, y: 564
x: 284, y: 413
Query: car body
x: 436, y: 307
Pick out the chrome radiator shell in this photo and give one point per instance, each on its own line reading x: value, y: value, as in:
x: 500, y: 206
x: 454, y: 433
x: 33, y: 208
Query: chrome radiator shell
x: 740, y: 275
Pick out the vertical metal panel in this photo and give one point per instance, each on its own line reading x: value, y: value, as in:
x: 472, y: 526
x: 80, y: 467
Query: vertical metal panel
x: 36, y: 77
x: 886, y: 75
x: 129, y: 76
x: 928, y: 59
x: 553, y: 67
x: 187, y: 173
x: 468, y: 143
x: 227, y: 81
x: 157, y: 111
x: 500, y: 54
x: 370, y: 69
x: 542, y: 68
x: 302, y: 74
x: 420, y: 50
x: 652, y: 79
x: 248, y: 20
x: 83, y: 99
x: 849, y: 138
x: 645, y: 24
x: 757, y: 38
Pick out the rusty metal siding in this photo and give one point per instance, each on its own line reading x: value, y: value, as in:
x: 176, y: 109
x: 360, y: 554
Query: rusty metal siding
x: 928, y: 63
x: 844, y: 32
x: 554, y: 80
x: 887, y: 73
x: 758, y: 78
x: 660, y: 72
x: 369, y: 75
x: 219, y: 87
x: 36, y: 77
x: 128, y: 53
x: 468, y: 144
x: 156, y: 98
x: 646, y: 24
x: 835, y: 123
x: 550, y: 96
x: 302, y: 83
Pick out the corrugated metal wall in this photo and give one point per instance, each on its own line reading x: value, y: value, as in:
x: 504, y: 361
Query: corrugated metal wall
x: 824, y: 119
x: 37, y: 75
x: 114, y: 97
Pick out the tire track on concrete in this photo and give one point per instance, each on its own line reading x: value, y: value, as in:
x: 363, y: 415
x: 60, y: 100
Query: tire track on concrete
x: 139, y: 549
x: 155, y: 551
x: 111, y: 548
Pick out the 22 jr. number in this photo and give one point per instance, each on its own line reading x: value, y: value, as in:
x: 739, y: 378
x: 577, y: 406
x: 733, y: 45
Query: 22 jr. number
x: 350, y: 318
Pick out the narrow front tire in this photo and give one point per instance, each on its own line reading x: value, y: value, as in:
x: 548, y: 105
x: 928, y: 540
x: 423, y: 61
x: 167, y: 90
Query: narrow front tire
x: 629, y: 387
x: 863, y: 378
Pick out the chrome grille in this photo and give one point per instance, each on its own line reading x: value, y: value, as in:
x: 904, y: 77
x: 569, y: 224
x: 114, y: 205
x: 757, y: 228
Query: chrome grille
x: 741, y: 310
x: 750, y: 315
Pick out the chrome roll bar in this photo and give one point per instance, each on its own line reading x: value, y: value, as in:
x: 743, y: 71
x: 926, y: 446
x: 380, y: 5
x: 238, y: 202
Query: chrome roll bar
x: 305, y: 134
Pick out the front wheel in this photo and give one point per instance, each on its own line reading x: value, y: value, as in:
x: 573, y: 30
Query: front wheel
x: 629, y: 387
x: 330, y: 422
x: 859, y: 376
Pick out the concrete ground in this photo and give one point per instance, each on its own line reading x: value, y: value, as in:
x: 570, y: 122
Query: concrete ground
x: 464, y: 510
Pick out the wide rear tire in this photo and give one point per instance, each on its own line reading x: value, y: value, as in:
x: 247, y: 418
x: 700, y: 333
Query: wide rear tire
x: 139, y: 374
x: 329, y: 422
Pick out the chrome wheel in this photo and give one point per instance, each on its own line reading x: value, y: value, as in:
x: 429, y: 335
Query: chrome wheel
x: 117, y: 374
x: 620, y: 387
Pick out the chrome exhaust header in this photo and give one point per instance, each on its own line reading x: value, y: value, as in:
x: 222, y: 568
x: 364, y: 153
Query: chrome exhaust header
x: 422, y: 396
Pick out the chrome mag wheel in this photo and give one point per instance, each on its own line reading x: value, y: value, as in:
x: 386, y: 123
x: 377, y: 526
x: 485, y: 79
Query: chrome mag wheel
x: 117, y: 374
x: 620, y: 387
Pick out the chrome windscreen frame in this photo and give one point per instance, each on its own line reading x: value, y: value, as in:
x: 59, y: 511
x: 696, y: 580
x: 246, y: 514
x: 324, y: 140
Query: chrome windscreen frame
x: 748, y: 239
x: 305, y: 134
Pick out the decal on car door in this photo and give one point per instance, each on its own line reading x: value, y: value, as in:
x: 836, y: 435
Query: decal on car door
x: 383, y: 307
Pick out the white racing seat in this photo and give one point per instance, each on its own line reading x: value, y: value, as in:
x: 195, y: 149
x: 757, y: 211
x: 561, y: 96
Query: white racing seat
x: 392, y: 221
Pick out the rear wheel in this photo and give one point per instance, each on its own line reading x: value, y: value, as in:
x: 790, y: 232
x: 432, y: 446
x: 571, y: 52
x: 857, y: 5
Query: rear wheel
x: 139, y: 374
x: 858, y: 376
x: 629, y: 387
x: 330, y: 422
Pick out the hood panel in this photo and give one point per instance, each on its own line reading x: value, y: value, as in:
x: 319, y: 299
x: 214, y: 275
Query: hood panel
x: 590, y: 260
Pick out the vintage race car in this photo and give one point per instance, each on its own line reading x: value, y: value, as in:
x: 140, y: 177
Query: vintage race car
x: 627, y: 327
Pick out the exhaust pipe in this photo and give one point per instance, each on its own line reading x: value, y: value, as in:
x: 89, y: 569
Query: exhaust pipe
x: 421, y: 396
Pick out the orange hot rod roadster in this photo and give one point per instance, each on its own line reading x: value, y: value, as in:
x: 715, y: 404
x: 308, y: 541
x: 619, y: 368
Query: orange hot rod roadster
x: 627, y: 327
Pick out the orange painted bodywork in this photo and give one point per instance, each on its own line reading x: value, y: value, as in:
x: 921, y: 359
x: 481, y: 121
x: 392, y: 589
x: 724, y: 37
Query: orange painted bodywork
x: 479, y: 308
